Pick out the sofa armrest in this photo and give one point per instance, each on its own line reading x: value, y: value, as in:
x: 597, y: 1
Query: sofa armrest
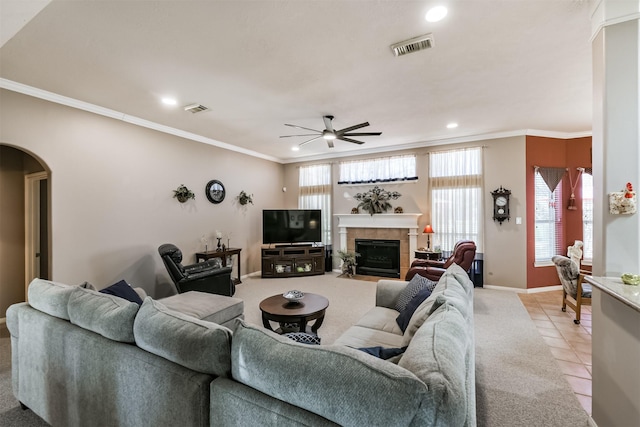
x: 388, y: 291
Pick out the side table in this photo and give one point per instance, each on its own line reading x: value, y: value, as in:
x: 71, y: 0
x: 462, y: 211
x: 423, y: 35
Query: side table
x: 434, y: 256
x: 223, y: 255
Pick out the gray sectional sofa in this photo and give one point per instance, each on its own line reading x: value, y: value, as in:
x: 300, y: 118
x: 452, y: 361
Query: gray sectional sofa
x: 162, y: 367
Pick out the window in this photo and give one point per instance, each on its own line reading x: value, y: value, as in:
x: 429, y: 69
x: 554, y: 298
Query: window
x: 587, y: 215
x: 315, y: 193
x: 382, y: 169
x: 548, y: 221
x: 456, y: 182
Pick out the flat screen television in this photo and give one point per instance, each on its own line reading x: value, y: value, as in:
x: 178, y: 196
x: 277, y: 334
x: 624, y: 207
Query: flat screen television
x: 291, y: 226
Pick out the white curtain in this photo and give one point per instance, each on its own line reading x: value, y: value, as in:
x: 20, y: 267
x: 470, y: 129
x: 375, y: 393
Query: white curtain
x: 315, y: 193
x: 381, y: 169
x: 456, y: 182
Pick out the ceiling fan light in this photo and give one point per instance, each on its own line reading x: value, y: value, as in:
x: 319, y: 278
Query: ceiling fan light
x: 329, y: 136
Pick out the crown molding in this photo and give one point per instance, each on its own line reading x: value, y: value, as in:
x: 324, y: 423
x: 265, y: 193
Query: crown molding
x: 113, y: 114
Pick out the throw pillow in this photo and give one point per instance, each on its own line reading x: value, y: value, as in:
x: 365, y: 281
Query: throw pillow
x: 303, y: 338
x: 383, y: 353
x: 405, y: 315
x: 416, y: 284
x: 123, y: 290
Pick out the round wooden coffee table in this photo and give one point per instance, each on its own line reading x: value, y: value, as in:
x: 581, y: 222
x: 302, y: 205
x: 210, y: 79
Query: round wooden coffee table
x: 278, y: 309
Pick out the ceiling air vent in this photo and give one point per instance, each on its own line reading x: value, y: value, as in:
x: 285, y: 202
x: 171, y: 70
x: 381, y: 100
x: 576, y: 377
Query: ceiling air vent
x: 413, y: 45
x: 195, y: 108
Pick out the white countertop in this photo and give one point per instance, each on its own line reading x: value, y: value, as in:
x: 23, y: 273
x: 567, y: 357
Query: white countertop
x: 627, y: 294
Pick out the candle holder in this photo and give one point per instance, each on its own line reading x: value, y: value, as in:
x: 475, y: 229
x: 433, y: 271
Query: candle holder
x: 219, y: 248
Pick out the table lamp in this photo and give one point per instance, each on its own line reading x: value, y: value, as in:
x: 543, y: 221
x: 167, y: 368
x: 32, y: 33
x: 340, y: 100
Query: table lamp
x: 428, y: 230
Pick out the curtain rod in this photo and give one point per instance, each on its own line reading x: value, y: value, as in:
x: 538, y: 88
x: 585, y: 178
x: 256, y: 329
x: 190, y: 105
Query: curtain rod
x: 581, y: 169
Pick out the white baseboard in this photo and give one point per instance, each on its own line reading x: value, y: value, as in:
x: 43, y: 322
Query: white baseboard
x: 3, y: 320
x: 524, y: 291
x: 254, y: 274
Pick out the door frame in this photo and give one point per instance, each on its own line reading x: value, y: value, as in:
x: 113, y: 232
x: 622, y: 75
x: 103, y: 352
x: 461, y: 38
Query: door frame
x: 32, y: 226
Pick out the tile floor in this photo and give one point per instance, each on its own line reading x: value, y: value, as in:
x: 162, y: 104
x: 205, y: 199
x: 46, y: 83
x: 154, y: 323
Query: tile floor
x: 569, y: 343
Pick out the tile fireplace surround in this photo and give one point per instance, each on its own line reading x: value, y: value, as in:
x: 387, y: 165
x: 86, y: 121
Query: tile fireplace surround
x: 402, y: 227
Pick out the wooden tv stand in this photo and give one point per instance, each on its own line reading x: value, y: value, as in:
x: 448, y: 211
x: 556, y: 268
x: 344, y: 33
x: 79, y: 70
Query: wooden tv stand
x: 292, y: 261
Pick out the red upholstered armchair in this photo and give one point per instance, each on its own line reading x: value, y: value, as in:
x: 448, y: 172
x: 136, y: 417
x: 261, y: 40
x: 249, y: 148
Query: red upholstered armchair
x: 463, y: 254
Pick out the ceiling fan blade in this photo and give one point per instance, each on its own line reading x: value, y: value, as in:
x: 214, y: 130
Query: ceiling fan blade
x: 330, y: 143
x: 350, y: 140
x: 300, y: 127
x: 289, y: 136
x: 328, y: 122
x: 362, y: 134
x: 312, y: 139
x: 350, y: 128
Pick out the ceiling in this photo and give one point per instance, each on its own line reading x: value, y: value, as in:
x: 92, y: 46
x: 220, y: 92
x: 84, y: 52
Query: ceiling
x: 496, y: 68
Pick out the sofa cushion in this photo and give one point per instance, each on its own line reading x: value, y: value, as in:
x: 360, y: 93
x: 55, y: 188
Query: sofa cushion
x: 415, y: 285
x: 205, y: 306
x: 455, y: 287
x: 107, y: 315
x: 317, y: 378
x: 405, y: 315
x: 123, y: 290
x: 381, y: 319
x: 441, y: 355
x: 360, y: 336
x: 196, y: 344
x: 50, y: 297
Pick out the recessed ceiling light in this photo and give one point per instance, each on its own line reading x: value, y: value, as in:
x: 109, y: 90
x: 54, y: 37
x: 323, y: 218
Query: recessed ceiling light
x: 295, y: 148
x: 435, y: 14
x: 452, y: 125
x: 169, y: 101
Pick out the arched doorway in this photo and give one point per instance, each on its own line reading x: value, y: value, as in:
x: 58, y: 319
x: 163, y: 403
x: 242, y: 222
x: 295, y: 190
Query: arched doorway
x: 25, y: 224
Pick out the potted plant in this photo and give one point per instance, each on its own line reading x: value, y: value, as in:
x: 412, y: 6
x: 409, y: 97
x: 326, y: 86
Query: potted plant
x: 376, y: 200
x: 244, y: 198
x: 182, y: 193
x: 348, y: 261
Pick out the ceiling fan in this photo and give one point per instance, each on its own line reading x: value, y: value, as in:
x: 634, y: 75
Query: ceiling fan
x: 329, y: 134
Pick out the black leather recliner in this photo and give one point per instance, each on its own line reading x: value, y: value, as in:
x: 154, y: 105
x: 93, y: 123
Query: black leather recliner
x: 206, y: 276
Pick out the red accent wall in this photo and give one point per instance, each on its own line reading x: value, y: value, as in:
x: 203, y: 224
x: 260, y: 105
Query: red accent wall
x: 552, y: 152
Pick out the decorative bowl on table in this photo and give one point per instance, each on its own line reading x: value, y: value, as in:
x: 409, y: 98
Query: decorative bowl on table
x: 293, y: 296
x: 630, y: 279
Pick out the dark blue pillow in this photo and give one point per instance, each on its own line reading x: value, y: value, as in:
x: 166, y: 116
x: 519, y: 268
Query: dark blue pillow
x: 405, y: 315
x: 123, y: 290
x: 383, y: 353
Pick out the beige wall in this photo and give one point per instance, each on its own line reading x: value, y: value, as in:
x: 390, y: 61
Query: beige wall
x: 112, y: 185
x: 504, y: 164
x: 112, y: 202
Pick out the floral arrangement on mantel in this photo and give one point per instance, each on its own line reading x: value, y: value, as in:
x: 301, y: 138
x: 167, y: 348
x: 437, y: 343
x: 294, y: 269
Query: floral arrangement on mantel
x: 182, y: 193
x: 376, y: 200
x: 244, y: 198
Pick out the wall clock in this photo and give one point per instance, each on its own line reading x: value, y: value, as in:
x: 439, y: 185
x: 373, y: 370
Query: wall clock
x: 501, y: 204
x: 215, y: 191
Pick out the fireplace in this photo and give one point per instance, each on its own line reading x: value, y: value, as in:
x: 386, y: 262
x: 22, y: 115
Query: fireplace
x: 402, y: 227
x: 378, y: 257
